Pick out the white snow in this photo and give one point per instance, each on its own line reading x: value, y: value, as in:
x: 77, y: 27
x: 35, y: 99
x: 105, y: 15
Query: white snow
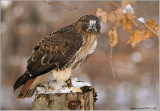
x: 65, y: 90
x: 79, y: 84
x: 128, y: 8
x: 141, y: 19
x: 40, y: 90
x: 54, y: 87
x: 124, y: 11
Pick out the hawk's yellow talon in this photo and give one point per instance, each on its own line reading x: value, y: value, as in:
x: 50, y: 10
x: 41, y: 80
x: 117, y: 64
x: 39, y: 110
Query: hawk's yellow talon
x: 73, y: 89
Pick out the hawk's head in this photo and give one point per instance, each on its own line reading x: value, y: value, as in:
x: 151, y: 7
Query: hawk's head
x: 88, y: 24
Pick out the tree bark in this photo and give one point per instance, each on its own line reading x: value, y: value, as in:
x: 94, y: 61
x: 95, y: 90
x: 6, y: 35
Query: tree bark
x: 64, y: 101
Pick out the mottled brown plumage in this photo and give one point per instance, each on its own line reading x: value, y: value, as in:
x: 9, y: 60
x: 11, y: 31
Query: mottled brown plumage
x: 62, y: 50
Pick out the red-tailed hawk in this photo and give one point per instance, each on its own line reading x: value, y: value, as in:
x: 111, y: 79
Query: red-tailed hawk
x: 59, y: 53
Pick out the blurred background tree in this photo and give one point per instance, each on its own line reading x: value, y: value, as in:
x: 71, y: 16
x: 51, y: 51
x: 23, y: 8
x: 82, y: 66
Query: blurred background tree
x: 24, y: 24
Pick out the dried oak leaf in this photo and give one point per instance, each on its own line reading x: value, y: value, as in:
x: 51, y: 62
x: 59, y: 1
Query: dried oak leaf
x: 127, y: 26
x: 101, y: 14
x: 135, y: 37
x: 120, y: 17
x: 112, y: 17
x: 128, y: 21
x: 113, y: 36
x: 146, y: 33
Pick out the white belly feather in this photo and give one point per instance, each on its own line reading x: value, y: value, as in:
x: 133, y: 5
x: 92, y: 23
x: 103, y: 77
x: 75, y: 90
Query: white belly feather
x: 93, y: 48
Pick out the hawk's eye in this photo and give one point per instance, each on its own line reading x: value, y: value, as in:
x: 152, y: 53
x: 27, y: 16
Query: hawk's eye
x: 85, y: 21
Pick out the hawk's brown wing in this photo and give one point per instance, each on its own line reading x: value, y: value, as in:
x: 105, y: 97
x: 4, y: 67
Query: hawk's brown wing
x: 54, y: 52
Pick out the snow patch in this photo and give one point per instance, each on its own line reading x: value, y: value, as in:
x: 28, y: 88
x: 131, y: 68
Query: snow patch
x: 79, y: 84
x: 141, y: 19
x: 54, y: 87
x: 65, y: 90
x: 128, y: 8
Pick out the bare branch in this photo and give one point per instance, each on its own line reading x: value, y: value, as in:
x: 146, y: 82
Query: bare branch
x: 148, y: 27
x: 56, y: 3
x: 115, y: 4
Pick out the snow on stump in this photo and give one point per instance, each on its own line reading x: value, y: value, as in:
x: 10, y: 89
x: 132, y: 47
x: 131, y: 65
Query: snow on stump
x: 63, y: 99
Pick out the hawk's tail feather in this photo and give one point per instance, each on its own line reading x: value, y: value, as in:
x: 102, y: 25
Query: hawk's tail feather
x: 26, y: 92
x: 21, y: 80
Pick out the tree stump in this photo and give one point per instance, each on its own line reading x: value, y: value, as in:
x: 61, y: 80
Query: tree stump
x: 64, y: 101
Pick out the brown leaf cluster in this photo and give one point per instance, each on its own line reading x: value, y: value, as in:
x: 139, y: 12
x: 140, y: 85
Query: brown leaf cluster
x: 137, y: 35
x: 119, y: 18
x: 127, y: 20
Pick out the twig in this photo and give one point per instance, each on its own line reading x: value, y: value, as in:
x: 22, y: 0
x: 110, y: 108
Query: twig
x: 112, y: 64
x: 55, y: 3
x: 115, y: 4
x: 148, y: 27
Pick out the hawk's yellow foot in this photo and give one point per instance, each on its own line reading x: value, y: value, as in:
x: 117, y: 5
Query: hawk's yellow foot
x: 83, y: 89
x: 73, y: 89
x: 68, y: 82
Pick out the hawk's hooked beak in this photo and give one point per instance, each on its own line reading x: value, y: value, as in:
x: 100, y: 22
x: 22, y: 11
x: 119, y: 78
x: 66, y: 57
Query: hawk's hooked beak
x: 92, y: 24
